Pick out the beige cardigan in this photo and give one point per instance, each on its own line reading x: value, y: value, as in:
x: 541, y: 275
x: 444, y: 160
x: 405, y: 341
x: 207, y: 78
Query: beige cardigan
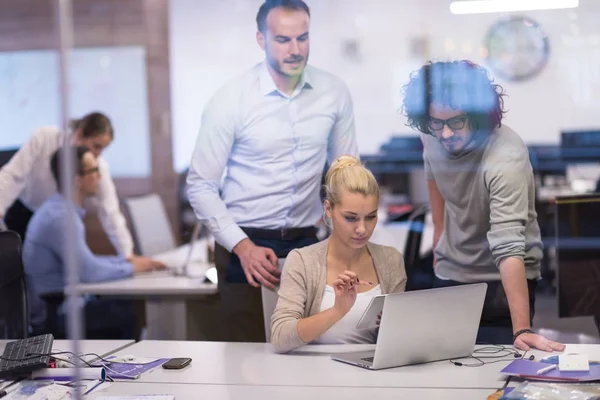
x: 303, y: 283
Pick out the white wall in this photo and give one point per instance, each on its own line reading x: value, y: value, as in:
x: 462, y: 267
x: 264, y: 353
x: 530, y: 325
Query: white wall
x: 211, y: 42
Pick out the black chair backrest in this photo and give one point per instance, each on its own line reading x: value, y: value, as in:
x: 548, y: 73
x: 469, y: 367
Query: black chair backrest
x: 13, y: 291
x: 412, y: 254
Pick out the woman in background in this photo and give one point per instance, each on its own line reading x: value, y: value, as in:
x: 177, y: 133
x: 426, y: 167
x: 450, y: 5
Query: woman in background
x: 26, y: 181
x: 325, y: 288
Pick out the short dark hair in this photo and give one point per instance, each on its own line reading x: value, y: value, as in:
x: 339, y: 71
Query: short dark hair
x: 77, y: 153
x: 268, y: 5
x: 461, y: 85
x: 93, y: 124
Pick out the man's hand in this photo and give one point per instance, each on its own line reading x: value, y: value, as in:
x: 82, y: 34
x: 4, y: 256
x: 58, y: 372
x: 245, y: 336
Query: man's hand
x: 259, y: 264
x: 526, y: 341
x: 145, y: 264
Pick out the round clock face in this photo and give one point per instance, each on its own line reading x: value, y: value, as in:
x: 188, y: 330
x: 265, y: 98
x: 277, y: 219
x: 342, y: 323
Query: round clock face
x: 517, y: 48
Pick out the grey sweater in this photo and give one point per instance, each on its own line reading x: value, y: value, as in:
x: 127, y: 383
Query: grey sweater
x: 489, y: 214
x: 303, y: 283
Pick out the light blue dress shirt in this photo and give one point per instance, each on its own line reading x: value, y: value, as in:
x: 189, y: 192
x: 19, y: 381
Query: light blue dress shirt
x: 260, y: 153
x: 43, y: 255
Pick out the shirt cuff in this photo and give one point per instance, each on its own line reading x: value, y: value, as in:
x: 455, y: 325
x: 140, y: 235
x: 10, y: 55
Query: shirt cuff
x: 230, y: 237
x: 128, y: 269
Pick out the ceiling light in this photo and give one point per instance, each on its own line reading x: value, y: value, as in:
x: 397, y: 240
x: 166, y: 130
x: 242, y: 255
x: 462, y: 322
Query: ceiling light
x: 491, y: 6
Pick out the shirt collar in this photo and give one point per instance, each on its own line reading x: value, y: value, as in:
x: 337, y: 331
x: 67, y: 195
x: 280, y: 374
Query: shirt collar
x: 60, y: 198
x: 267, y: 85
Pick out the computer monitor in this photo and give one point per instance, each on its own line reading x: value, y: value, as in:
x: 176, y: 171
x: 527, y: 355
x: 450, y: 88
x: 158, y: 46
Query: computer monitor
x: 580, y: 146
x: 578, y: 254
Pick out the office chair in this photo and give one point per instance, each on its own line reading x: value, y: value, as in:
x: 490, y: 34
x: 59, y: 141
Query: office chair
x: 53, y: 302
x: 13, y: 291
x: 419, y: 272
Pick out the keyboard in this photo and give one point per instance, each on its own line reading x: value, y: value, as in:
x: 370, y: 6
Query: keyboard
x: 21, y: 357
x: 368, y: 359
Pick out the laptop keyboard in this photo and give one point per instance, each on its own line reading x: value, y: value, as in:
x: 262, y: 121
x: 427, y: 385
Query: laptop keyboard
x: 368, y: 359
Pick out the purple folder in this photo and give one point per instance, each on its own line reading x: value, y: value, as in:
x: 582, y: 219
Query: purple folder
x: 131, y: 371
x: 528, y: 369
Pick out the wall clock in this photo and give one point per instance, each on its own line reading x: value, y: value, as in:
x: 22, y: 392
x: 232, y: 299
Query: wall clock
x: 517, y: 48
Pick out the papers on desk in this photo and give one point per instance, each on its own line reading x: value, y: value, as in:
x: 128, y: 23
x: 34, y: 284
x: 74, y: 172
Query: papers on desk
x: 530, y: 370
x: 540, y: 390
x: 128, y: 370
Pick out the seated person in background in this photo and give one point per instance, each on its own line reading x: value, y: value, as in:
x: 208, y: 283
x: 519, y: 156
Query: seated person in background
x: 47, y: 241
x: 325, y: 288
x: 27, y: 181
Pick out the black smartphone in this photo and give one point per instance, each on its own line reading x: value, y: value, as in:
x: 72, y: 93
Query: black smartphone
x: 177, y: 363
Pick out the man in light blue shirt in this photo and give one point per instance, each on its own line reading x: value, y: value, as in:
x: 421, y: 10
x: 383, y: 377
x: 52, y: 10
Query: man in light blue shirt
x: 47, y: 240
x: 256, y: 170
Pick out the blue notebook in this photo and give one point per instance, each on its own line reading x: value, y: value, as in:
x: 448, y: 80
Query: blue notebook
x: 528, y: 369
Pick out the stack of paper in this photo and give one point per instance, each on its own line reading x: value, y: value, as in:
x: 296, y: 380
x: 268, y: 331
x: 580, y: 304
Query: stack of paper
x: 529, y: 370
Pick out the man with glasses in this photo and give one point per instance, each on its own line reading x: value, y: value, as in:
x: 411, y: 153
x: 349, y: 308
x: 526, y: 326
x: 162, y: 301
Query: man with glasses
x: 481, y: 190
x: 47, y: 241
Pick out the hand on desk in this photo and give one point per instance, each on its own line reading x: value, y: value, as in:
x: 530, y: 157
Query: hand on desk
x: 526, y: 341
x: 259, y: 264
x: 145, y: 264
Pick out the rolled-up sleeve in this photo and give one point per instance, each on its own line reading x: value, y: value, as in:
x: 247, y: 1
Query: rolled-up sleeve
x: 508, y: 181
x: 291, y: 305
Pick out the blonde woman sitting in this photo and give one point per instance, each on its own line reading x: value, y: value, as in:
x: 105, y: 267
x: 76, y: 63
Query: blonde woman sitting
x: 326, y: 287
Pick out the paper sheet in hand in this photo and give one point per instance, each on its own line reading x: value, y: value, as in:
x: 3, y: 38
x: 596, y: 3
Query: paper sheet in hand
x: 369, y: 317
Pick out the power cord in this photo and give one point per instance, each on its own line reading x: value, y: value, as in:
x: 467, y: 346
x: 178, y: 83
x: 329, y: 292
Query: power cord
x: 30, y: 356
x: 499, y: 353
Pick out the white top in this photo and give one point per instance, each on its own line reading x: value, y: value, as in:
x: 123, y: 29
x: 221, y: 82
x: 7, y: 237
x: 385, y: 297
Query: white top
x: 272, y: 149
x: 344, y: 331
x: 28, y: 177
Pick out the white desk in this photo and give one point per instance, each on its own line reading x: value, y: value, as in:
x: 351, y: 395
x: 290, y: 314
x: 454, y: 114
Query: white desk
x: 168, y: 298
x: 249, y: 392
x: 162, y: 283
x: 100, y: 347
x: 216, y: 363
x: 592, y: 351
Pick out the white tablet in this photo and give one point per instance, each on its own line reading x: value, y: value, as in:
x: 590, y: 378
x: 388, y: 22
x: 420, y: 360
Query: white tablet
x: 369, y: 317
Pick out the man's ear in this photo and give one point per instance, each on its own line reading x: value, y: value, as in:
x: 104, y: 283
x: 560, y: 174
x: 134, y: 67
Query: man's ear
x: 260, y: 39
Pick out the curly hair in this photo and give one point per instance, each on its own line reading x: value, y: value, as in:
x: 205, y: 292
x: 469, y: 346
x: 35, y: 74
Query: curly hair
x: 461, y: 85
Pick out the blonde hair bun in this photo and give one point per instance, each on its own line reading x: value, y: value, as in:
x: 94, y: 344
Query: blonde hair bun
x: 344, y: 161
x: 348, y: 174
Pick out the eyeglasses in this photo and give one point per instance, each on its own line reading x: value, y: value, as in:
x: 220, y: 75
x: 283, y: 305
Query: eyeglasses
x: 90, y: 171
x: 454, y: 123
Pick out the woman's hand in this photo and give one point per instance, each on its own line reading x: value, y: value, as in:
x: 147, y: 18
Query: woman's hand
x: 345, y: 291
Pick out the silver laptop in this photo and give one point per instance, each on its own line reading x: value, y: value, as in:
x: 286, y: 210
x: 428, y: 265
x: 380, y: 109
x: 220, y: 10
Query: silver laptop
x: 182, y: 270
x: 424, y: 325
